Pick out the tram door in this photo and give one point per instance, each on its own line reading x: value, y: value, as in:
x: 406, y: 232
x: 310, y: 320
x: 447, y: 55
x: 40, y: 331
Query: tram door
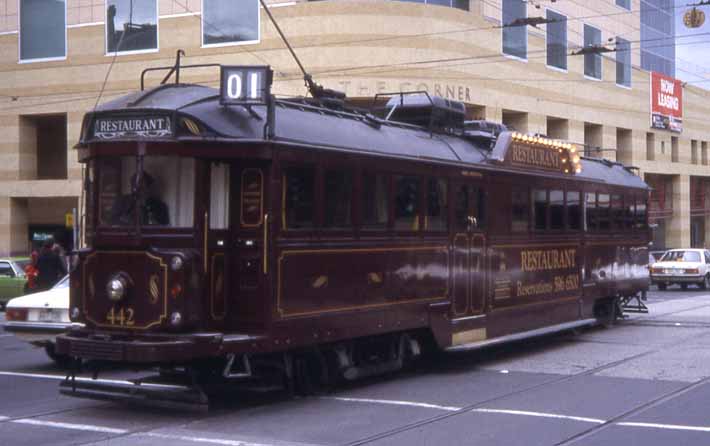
x: 234, y: 239
x: 469, y: 247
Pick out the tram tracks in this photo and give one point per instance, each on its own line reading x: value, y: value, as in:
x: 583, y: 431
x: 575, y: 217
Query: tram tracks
x: 480, y: 405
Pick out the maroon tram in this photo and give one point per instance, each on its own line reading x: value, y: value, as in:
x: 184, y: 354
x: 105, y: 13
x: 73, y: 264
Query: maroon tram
x: 234, y: 235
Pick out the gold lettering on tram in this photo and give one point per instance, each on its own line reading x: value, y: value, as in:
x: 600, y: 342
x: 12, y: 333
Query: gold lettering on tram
x: 546, y: 260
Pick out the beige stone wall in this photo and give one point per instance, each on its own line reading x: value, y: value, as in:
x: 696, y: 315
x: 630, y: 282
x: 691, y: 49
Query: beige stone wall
x: 361, y: 47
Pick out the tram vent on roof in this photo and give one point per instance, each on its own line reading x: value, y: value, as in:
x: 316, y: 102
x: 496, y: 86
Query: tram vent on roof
x: 433, y: 112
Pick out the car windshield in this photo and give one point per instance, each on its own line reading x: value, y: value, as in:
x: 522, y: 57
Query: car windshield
x: 681, y: 256
x: 64, y: 283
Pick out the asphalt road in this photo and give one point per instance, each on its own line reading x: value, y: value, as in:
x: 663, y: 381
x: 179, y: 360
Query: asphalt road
x: 645, y: 381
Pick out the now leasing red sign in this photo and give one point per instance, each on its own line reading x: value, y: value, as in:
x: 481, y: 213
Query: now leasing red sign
x: 666, y: 103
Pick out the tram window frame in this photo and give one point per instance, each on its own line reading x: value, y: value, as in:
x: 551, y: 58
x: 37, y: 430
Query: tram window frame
x: 568, y: 211
x: 285, y: 202
x: 534, y: 195
x: 402, y: 223
x: 629, y: 212
x: 520, y: 205
x: 604, y: 212
x: 641, y: 224
x: 474, y: 205
x: 442, y: 219
x: 365, y: 193
x: 556, y: 218
x: 591, y: 216
x: 340, y: 172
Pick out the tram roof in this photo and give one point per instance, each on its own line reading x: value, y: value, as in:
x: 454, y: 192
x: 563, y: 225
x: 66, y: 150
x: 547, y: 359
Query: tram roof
x: 302, y: 124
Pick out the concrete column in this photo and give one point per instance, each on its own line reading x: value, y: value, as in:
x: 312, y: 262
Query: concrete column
x: 494, y: 114
x: 576, y: 132
x: 27, y: 149
x: 13, y: 226
x: 678, y: 227
x: 537, y: 123
x: 73, y: 135
x: 608, y: 143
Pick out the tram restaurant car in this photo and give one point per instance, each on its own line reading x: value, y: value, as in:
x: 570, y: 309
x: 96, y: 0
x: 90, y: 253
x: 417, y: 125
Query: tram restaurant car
x: 304, y: 238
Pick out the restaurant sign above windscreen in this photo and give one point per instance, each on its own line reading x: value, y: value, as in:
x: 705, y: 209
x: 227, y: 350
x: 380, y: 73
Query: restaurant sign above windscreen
x: 666, y: 103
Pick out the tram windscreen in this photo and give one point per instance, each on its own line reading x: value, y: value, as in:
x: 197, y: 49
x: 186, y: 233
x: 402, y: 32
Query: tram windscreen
x: 154, y: 191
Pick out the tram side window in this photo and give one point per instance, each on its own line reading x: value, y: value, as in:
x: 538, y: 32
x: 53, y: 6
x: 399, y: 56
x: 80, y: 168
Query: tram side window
x: 590, y: 205
x: 557, y: 210
x: 640, y: 221
x: 299, y: 193
x: 469, y: 208
x: 629, y: 211
x: 574, y: 211
x: 338, y: 193
x: 375, y: 200
x: 604, y: 211
x: 540, y: 205
x: 520, y: 209
x: 437, y: 205
x: 617, y: 212
x: 406, y: 205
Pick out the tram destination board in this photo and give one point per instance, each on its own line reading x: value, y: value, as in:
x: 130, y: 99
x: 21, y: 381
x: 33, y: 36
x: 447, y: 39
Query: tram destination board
x: 133, y: 126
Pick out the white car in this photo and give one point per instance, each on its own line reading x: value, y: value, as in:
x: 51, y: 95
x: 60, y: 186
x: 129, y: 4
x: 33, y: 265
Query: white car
x: 682, y: 266
x: 38, y: 318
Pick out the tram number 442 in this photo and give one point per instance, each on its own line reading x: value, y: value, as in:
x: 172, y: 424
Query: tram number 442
x: 122, y: 317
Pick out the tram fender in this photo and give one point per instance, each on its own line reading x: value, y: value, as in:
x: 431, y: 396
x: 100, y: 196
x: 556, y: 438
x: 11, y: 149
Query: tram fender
x: 440, y: 324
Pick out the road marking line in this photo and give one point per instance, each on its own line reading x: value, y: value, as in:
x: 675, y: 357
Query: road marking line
x: 393, y: 402
x: 540, y: 414
x: 4, y: 418
x: 72, y: 426
x: 80, y: 378
x: 6, y: 335
x: 200, y: 439
x: 666, y: 426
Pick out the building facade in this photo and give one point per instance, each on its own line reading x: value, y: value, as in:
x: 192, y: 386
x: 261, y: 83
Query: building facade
x: 511, y: 61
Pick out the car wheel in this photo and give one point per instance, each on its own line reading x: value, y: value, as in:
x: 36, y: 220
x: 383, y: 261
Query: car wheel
x: 705, y: 284
x: 662, y: 286
x: 60, y: 360
x: 683, y: 286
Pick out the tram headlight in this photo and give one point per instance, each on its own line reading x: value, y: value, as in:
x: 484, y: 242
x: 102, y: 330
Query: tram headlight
x: 176, y: 263
x: 175, y: 319
x: 117, y: 287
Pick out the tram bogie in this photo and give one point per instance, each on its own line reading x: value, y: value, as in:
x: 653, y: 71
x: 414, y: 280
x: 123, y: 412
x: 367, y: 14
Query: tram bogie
x: 295, y: 242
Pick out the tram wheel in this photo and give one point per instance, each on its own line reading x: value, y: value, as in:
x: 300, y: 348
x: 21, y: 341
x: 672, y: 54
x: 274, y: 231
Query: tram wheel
x: 310, y: 373
x: 705, y: 284
x: 662, y: 286
x: 683, y: 286
x: 606, y: 312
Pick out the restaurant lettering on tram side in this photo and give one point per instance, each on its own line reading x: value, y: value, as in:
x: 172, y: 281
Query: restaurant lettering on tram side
x: 599, y: 75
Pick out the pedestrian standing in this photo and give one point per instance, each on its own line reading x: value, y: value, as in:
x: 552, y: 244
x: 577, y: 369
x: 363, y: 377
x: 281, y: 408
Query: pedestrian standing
x: 50, y: 267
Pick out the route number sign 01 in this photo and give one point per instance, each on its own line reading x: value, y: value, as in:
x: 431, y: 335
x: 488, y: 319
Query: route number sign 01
x: 245, y: 85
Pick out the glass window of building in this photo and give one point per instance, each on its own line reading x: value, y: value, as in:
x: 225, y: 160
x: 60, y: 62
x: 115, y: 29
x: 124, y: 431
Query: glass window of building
x: 460, y: 4
x: 592, y: 62
x: 43, y: 31
x: 626, y: 4
x: 223, y: 24
x: 515, y: 38
x: 623, y: 62
x: 557, y: 40
x: 131, y: 25
x: 658, y: 36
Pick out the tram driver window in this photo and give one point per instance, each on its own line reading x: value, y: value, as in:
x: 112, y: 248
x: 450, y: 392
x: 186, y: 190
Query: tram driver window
x: 219, y: 196
x: 640, y: 219
x: 161, y: 194
x: 298, y: 186
x: 375, y: 203
x: 520, y: 210
x: 540, y: 205
x: 406, y: 205
x: 617, y: 212
x: 338, y: 193
x: 437, y: 205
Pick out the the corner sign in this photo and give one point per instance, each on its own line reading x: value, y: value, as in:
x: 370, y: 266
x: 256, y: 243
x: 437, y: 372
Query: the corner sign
x: 245, y: 85
x: 116, y: 127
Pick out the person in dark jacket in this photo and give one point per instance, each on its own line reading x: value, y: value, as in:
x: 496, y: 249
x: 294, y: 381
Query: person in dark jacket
x: 50, y: 267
